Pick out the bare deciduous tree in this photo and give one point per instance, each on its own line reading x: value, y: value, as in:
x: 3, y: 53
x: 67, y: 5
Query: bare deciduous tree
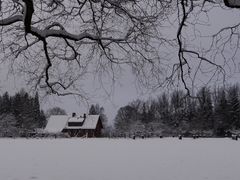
x: 215, y: 53
x: 60, y: 42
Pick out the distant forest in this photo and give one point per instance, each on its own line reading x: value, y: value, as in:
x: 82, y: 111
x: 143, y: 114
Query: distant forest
x: 20, y: 113
x: 213, y: 112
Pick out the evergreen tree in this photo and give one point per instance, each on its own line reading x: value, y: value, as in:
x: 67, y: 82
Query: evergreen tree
x: 17, y: 109
x: 43, y: 120
x: 36, y: 111
x: 6, y: 103
x: 191, y: 112
x: 163, y: 108
x: 222, y: 119
x: 205, y: 109
x: 8, y: 127
x: 144, y: 114
x: 94, y: 109
x: 23, y: 109
x: 177, y: 107
x: 97, y: 110
x: 234, y: 106
x: 1, y: 104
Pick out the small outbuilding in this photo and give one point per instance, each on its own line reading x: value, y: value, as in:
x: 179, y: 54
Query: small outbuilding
x: 82, y: 126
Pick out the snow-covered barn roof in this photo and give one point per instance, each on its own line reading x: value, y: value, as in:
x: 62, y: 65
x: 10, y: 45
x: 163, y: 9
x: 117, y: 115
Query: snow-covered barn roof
x: 90, y: 122
x: 76, y: 119
x: 56, y: 123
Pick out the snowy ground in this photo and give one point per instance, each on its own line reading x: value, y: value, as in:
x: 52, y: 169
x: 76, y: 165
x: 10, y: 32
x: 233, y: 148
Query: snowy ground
x: 119, y: 159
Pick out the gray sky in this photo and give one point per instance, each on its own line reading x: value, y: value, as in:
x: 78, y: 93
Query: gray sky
x: 125, y: 89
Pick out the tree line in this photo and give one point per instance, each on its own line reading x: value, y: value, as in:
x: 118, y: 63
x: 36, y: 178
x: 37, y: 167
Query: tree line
x: 213, y: 112
x: 20, y: 113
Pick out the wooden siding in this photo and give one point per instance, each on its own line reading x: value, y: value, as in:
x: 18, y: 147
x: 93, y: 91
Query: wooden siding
x: 86, y: 132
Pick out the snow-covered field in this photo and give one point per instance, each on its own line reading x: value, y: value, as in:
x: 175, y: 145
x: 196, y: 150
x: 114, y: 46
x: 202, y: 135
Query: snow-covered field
x: 119, y: 159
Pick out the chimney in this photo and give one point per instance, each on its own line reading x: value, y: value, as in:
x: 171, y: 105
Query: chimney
x: 74, y: 114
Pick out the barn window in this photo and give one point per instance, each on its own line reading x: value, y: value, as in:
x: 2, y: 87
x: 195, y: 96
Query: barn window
x: 232, y: 3
x: 75, y: 123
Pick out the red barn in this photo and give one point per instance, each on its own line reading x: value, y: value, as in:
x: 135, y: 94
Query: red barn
x: 83, y: 126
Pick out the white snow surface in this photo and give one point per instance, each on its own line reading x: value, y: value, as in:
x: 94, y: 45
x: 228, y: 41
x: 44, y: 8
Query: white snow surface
x: 90, y: 122
x: 119, y: 159
x: 76, y: 119
x: 56, y: 123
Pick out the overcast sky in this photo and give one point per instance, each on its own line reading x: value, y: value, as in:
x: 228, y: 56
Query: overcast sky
x: 125, y: 89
